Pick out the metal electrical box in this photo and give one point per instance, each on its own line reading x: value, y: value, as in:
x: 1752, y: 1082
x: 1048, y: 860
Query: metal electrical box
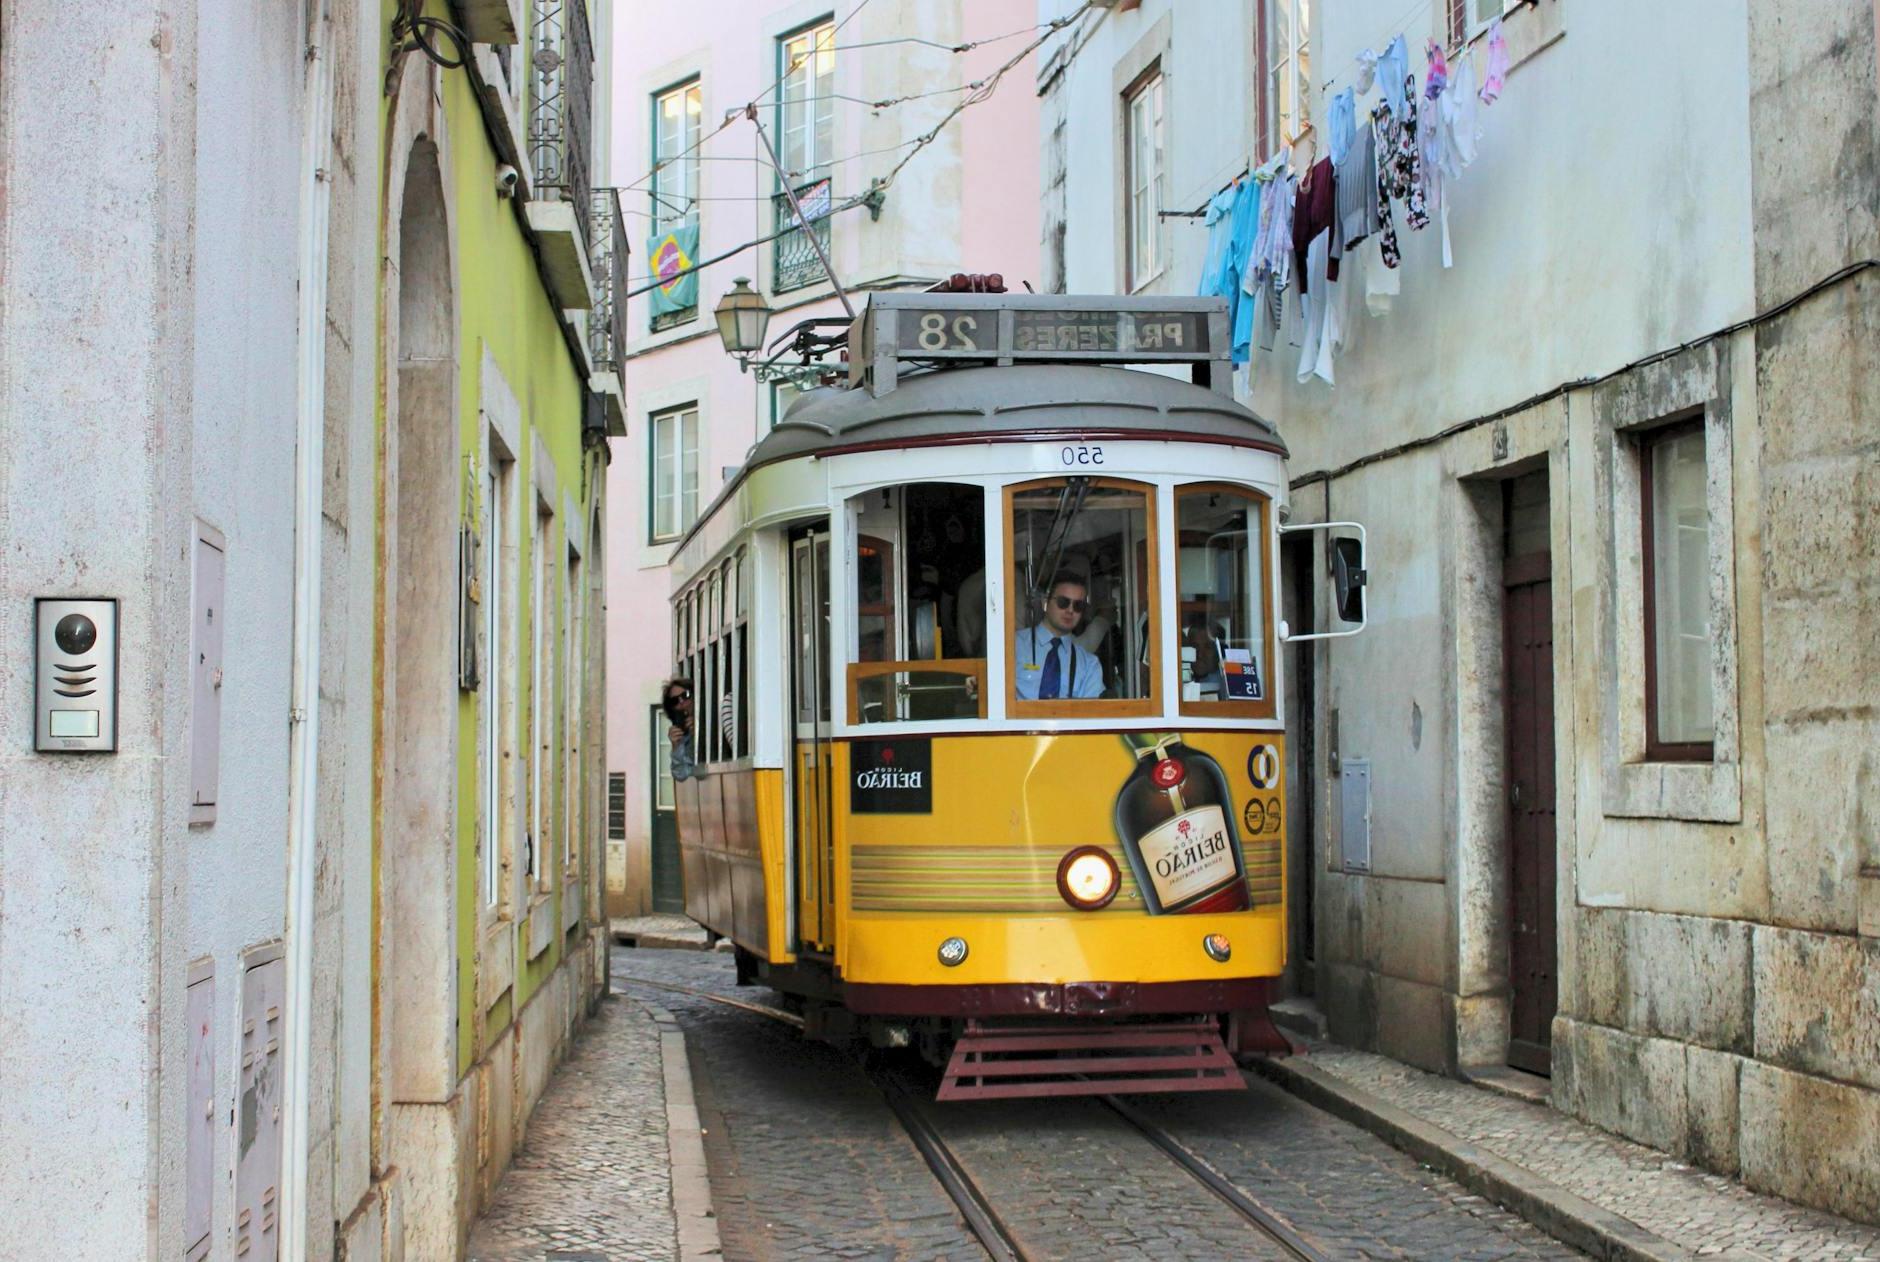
x: 1354, y: 814
x: 76, y: 657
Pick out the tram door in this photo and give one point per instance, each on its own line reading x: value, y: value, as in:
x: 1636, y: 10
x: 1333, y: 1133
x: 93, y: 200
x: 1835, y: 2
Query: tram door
x: 810, y: 744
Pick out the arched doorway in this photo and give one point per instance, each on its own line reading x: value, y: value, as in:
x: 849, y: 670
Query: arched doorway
x: 418, y: 638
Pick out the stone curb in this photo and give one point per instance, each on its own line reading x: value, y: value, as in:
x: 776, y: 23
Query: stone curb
x: 1569, y: 1219
x: 695, y: 1220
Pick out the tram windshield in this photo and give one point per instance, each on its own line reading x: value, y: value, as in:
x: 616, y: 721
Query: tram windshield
x: 1221, y: 596
x: 1083, y: 607
x: 918, y: 646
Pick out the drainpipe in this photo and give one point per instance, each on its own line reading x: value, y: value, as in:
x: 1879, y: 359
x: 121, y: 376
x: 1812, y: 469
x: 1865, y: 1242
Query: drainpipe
x: 304, y: 716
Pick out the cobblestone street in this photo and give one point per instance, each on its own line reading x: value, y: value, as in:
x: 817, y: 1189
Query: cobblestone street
x: 807, y: 1161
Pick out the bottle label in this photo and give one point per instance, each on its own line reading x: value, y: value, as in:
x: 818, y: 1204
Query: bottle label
x: 1188, y: 856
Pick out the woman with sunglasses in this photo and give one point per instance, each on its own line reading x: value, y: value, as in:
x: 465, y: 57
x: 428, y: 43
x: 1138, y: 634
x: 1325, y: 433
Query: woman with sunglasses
x: 1048, y: 663
x: 676, y: 701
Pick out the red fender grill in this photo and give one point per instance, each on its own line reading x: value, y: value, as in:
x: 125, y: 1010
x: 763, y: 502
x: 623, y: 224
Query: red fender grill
x: 992, y: 1062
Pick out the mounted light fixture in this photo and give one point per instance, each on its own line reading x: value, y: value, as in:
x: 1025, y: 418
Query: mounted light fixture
x: 743, y: 317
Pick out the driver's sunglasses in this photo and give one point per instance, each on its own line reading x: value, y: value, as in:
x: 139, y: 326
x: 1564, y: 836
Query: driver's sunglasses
x: 681, y: 694
x: 1065, y: 602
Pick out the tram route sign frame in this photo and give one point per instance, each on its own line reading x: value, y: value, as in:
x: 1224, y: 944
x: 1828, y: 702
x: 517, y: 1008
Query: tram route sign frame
x: 1009, y: 329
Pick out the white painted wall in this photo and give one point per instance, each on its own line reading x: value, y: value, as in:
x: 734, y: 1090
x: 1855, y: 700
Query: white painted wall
x: 967, y: 202
x: 147, y: 362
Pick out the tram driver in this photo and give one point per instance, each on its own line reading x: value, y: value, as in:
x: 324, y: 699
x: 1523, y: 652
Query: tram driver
x: 1047, y: 663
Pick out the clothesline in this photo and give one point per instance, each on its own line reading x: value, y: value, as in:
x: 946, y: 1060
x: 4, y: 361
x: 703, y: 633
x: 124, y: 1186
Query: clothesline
x: 1202, y: 209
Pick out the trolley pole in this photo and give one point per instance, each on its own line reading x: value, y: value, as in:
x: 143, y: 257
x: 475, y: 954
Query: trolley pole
x: 796, y: 208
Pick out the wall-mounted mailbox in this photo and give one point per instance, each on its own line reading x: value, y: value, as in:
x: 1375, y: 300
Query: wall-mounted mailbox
x: 76, y: 696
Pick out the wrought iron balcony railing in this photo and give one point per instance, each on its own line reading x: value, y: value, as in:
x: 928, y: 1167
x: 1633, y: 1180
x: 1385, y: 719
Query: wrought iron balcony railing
x: 561, y: 93
x: 795, y: 264
x: 607, y: 319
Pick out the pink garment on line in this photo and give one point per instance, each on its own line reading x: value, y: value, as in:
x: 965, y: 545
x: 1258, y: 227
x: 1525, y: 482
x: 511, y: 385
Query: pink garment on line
x: 1495, y: 75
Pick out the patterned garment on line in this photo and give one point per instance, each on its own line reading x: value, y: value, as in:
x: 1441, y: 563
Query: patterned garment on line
x: 1382, y: 124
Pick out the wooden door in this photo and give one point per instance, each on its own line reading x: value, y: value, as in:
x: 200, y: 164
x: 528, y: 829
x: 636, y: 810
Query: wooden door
x: 810, y: 743
x: 1533, y: 972
x: 668, y: 882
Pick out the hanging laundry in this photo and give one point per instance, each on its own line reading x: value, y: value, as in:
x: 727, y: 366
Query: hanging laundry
x: 1382, y: 281
x: 1356, y: 182
x: 1397, y: 154
x: 1245, y: 221
x: 1433, y: 169
x: 1495, y: 74
x: 1316, y: 251
x: 1339, y: 124
x: 1219, y: 219
x: 1383, y: 132
x: 1322, y: 325
x: 1393, y: 67
x: 1438, y: 77
x: 1460, y: 126
x: 1315, y: 209
x: 1367, y: 70
x: 1269, y: 264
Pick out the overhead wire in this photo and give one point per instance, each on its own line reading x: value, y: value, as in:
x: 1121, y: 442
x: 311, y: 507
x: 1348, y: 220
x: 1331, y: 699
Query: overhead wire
x: 732, y: 116
x: 989, y: 85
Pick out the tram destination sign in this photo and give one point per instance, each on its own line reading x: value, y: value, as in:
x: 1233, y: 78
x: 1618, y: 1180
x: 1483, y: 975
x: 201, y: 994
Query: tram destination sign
x: 1036, y: 328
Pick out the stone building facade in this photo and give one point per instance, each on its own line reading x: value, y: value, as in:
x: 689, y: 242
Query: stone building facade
x: 1596, y: 792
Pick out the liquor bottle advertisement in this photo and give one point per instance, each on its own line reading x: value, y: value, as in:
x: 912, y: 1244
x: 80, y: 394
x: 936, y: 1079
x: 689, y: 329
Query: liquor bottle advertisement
x: 1194, y: 821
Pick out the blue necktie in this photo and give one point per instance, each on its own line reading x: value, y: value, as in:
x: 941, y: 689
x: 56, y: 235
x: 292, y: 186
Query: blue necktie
x: 1048, y: 681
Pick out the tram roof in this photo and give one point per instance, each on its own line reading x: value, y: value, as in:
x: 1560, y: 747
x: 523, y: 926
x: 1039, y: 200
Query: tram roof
x: 1017, y: 402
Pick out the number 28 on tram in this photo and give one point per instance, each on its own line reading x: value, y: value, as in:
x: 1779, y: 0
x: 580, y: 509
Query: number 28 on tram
x: 983, y: 641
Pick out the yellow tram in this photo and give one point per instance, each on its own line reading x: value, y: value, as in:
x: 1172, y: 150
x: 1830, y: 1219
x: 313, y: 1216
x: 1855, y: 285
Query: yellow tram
x: 982, y: 644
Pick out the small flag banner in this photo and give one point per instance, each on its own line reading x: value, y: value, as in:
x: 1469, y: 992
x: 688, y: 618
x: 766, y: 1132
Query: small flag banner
x: 816, y: 200
x: 672, y: 253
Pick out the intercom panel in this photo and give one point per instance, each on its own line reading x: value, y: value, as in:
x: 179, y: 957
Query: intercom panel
x: 76, y: 695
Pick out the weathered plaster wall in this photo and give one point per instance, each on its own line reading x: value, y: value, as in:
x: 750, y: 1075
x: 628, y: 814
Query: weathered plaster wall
x: 1719, y: 981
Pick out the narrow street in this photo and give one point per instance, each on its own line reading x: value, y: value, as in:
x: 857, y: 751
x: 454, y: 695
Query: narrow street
x: 808, y: 1161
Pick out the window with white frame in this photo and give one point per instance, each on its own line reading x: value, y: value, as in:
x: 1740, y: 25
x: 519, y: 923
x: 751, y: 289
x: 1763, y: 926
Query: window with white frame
x: 675, y: 187
x: 806, y: 104
x: 1468, y: 18
x: 675, y: 157
x: 1680, y: 722
x: 498, y: 491
x: 1143, y: 161
x: 806, y: 73
x: 541, y: 820
x: 1286, y: 65
x: 674, y: 471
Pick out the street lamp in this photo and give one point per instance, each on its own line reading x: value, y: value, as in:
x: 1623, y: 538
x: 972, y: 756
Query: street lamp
x: 743, y: 316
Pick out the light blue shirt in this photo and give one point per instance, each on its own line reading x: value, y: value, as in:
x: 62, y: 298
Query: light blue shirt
x: 1080, y: 676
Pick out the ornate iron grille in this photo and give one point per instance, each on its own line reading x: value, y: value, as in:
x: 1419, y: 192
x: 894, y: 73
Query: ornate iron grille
x: 795, y: 263
x: 607, y: 321
x: 561, y: 89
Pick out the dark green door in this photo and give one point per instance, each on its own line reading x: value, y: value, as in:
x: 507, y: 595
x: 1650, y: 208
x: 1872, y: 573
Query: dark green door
x: 668, y: 885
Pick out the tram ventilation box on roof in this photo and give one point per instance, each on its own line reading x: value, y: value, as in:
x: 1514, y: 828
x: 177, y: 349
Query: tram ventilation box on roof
x: 934, y: 329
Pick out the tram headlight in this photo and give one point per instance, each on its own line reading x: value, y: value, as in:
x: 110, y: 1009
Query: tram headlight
x: 953, y: 952
x: 1087, y: 878
x: 1217, y: 946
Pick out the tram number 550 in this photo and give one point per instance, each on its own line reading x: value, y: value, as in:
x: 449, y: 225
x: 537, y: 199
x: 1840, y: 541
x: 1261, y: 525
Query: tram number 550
x: 1081, y: 454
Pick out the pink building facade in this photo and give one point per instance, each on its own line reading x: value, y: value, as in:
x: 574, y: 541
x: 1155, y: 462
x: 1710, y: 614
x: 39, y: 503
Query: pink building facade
x: 845, y: 91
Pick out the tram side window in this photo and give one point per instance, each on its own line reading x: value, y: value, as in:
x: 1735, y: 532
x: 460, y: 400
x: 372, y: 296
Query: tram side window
x: 1222, y: 598
x: 1083, y: 592
x: 918, y: 642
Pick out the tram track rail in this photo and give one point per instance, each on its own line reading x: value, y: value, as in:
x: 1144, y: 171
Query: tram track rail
x: 974, y: 1206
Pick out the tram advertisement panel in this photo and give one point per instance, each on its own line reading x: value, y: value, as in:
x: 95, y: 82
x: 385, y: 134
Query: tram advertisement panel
x: 1191, y: 822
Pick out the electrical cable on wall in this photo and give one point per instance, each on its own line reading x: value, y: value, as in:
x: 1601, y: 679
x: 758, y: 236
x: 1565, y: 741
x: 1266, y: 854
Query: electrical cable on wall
x: 413, y: 32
